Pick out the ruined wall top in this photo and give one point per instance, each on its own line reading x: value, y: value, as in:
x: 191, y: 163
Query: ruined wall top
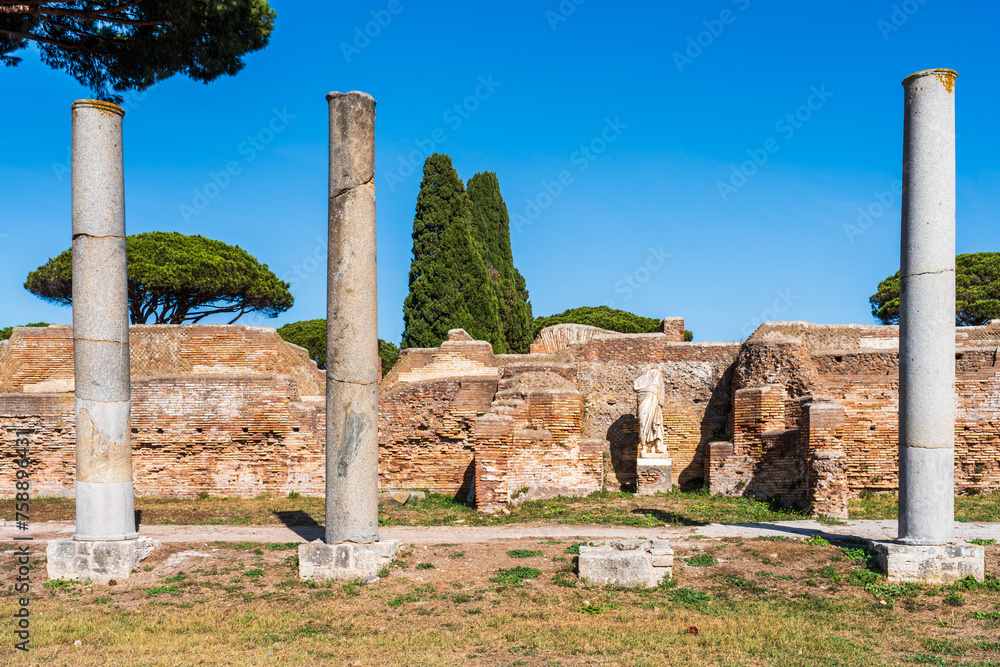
x: 819, y: 338
x: 40, y: 359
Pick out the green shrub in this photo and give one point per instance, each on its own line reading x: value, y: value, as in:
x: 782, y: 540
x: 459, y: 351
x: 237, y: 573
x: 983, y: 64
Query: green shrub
x: 603, y: 317
x: 6, y: 332
x: 311, y: 334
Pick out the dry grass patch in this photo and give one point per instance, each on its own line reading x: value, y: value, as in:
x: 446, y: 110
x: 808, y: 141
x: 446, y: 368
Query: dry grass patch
x: 243, y: 604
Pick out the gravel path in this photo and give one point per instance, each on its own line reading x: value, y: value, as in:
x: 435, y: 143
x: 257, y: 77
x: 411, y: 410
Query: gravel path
x: 878, y: 530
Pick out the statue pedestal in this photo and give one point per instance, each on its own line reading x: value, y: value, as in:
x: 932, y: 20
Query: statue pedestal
x: 653, y: 475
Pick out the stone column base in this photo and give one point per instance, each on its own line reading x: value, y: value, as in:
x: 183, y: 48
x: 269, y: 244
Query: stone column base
x: 101, y: 563
x: 345, y: 561
x: 938, y: 564
x: 653, y: 476
x: 627, y: 563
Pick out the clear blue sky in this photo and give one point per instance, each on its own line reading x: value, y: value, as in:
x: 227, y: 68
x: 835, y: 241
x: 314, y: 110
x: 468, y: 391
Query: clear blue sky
x: 643, y: 206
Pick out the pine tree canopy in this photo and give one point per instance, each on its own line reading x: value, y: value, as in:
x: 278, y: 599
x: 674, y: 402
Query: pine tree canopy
x: 977, y: 291
x: 119, y: 45
x: 174, y: 278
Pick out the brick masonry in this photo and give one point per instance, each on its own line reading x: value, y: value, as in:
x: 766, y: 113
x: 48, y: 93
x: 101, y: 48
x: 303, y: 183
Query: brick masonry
x: 802, y: 413
x: 815, y: 418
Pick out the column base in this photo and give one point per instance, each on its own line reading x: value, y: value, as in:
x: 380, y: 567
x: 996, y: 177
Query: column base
x: 653, y: 476
x: 937, y: 564
x: 98, y: 562
x: 627, y: 563
x: 345, y: 561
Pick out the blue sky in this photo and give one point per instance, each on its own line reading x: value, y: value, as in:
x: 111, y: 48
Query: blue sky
x: 620, y: 132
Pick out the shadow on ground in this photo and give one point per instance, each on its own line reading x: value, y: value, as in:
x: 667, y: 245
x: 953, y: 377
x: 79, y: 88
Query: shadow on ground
x: 302, y: 524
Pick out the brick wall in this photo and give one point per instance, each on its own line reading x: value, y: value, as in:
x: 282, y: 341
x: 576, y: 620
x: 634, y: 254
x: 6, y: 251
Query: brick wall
x: 697, y: 403
x: 840, y: 387
x: 224, y: 410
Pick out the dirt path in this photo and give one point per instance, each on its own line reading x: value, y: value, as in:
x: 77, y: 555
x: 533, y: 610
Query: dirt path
x: 882, y: 530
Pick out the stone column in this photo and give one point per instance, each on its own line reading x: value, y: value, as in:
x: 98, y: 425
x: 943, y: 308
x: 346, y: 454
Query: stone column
x: 104, y: 490
x: 927, y: 311
x: 104, y: 549
x: 352, y: 361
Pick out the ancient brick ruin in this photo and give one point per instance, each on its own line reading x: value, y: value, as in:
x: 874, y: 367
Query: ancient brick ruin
x: 802, y: 413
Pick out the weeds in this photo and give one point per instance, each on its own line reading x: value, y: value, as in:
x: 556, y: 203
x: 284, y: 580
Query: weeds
x: 523, y: 553
x: 702, y: 560
x: 515, y: 576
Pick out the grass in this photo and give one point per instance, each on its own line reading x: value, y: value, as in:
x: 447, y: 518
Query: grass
x: 677, y: 508
x: 515, y: 576
x: 984, y: 507
x: 702, y: 560
x: 741, y: 612
x: 523, y: 553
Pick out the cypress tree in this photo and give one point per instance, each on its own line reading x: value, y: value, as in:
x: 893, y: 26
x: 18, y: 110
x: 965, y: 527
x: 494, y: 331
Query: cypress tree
x: 492, y: 227
x: 449, y: 283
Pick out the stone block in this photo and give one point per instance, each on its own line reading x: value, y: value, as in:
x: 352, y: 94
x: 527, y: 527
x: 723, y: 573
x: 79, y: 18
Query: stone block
x: 938, y: 564
x: 626, y: 563
x: 97, y: 562
x: 653, y: 476
x: 396, y: 497
x: 345, y: 561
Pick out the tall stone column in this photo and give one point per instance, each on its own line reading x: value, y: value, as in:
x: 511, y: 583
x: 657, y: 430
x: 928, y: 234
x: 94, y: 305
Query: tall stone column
x: 104, y: 549
x: 927, y: 312
x: 104, y: 491
x: 925, y: 550
x: 352, y: 361
x: 352, y: 549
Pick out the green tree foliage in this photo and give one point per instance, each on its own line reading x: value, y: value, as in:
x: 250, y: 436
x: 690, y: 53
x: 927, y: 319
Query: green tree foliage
x: 119, y: 45
x: 450, y: 286
x: 491, y: 223
x: 603, y: 317
x: 311, y: 334
x: 7, y: 332
x: 174, y: 278
x: 977, y: 291
x: 389, y: 354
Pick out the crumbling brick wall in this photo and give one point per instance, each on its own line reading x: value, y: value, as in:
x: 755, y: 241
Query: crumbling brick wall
x: 697, y: 406
x: 224, y: 410
x: 840, y: 386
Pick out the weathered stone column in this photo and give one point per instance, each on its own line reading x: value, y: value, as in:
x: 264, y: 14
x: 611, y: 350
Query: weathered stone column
x: 104, y: 549
x: 352, y: 549
x: 927, y: 311
x: 925, y: 550
x: 352, y: 361
x: 104, y: 491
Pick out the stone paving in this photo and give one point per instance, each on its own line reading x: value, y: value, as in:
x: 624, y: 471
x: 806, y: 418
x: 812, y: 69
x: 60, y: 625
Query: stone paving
x: 868, y: 529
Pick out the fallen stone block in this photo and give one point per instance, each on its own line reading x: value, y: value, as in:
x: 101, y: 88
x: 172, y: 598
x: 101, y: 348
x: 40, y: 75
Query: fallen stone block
x: 938, y: 564
x: 97, y: 562
x: 345, y: 561
x: 627, y: 563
